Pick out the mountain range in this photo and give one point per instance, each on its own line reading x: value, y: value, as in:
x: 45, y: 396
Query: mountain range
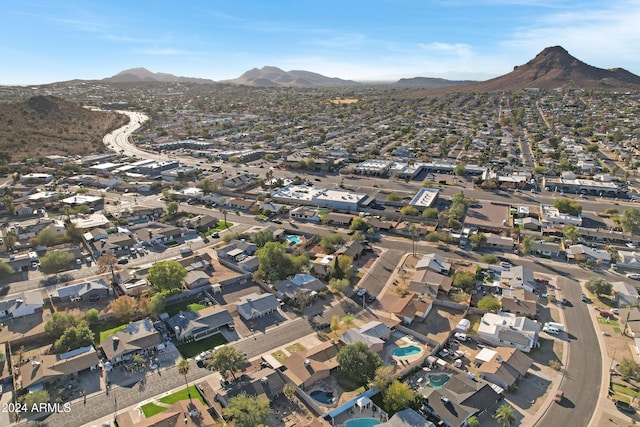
x: 553, y: 67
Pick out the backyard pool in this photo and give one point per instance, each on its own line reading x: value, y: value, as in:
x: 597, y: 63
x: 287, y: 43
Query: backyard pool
x: 406, y: 351
x: 293, y: 239
x: 323, y: 397
x: 437, y: 381
x: 362, y: 422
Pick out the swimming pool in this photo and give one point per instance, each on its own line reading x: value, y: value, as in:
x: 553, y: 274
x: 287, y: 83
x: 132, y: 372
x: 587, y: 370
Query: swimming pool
x: 362, y: 422
x: 293, y: 239
x: 323, y: 396
x: 406, y: 351
x: 437, y: 381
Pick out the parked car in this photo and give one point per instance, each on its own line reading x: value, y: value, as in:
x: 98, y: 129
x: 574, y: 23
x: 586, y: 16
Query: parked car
x: 123, y: 261
x: 361, y: 292
x: 634, y: 276
x: 625, y: 407
x: 506, y: 264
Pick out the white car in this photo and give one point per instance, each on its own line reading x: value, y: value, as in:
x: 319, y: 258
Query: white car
x: 631, y: 245
x: 506, y: 264
x: 634, y: 276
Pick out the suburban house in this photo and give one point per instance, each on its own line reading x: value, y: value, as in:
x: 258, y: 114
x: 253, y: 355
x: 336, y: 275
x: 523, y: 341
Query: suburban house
x: 201, y: 222
x: 510, y: 330
x: 93, y: 290
x: 305, y: 213
x: 154, y: 233
x: 22, y: 304
x: 460, y: 398
x: 337, y: 219
x: 197, y: 325
x: 518, y: 277
x: 139, y: 213
x: 546, y: 249
x: 196, y: 279
x: 352, y: 249
x: 242, y: 204
x: 116, y: 243
x: 519, y: 301
x: 630, y: 322
x: 407, y: 418
x: 253, y: 305
x: 96, y: 234
x: 305, y: 368
x: 628, y: 259
x: 434, y: 262
x: 234, y: 249
x: 44, y: 369
x: 429, y: 283
x: 136, y: 338
x: 249, y: 264
x: 497, y: 241
x: 625, y: 294
x: 411, y: 307
x: 373, y: 334
x: 503, y: 366
x: 266, y: 384
x: 301, y: 285
x: 583, y: 253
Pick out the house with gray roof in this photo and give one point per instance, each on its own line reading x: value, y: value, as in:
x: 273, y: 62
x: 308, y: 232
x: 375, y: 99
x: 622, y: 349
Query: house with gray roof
x: 459, y: 399
x: 135, y: 338
x: 518, y: 277
x: 546, y: 249
x: 507, y: 329
x: 435, y: 262
x: 373, y: 334
x: 583, y: 253
x: 301, y: 285
x: 266, y: 383
x: 85, y: 290
x: 625, y: 294
x: 196, y: 279
x: 22, y: 304
x: 407, y: 418
x: 254, y: 305
x: 197, y: 325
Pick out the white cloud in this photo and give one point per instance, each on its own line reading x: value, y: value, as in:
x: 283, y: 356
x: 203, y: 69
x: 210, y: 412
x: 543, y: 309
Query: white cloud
x: 458, y: 49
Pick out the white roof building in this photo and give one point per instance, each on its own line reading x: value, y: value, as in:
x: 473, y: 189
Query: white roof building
x: 507, y: 329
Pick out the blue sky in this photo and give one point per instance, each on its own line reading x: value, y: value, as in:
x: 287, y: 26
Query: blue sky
x: 46, y: 41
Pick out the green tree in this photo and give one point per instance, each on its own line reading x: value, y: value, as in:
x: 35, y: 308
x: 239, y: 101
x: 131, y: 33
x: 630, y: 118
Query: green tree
x: 263, y: 237
x: 73, y: 233
x: 358, y: 362
x: 430, y: 213
x: 505, y: 415
x: 384, y: 376
x: 490, y: 259
x: 92, y: 316
x: 409, y: 210
x: 599, y: 286
x: 55, y: 261
x: 358, y: 224
x: 124, y: 307
x: 571, y: 232
x: 478, y: 240
x: 206, y: 186
x: 172, y: 208
x: 460, y: 170
x: 74, y: 337
x: 183, y: 369
x: 629, y: 369
x: 328, y: 242
x: 33, y: 400
x: 339, y: 285
x: 155, y: 304
x: 525, y: 245
x: 393, y: 197
x: 273, y: 262
x: 335, y: 323
x: 472, y: 421
x: 248, y: 411
x: 166, y: 275
x: 342, y: 268
x: 50, y: 237
x: 464, y: 280
x: 630, y: 220
x: 60, y: 321
x: 5, y: 270
x: 489, y: 304
x: 399, y: 396
x: 227, y: 360
x: 568, y: 206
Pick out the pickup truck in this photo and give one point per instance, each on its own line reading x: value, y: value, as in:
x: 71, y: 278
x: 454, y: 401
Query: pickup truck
x: 559, y: 396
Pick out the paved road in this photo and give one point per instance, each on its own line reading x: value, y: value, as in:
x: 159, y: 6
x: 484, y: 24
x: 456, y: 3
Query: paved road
x: 581, y: 382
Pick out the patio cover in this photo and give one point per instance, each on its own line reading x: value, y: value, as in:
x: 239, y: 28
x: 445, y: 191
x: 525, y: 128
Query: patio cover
x: 363, y: 402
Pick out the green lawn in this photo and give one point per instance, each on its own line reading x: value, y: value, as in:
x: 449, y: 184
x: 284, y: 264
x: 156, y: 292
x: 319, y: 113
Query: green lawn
x: 295, y: 347
x: 105, y: 330
x: 191, y: 304
x: 220, y: 227
x: 280, y: 356
x: 196, y: 347
x: 150, y: 409
x: 623, y: 389
x: 605, y: 321
x: 182, y: 395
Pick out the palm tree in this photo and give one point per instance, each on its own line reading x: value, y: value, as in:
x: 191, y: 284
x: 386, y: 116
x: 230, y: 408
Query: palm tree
x: 224, y: 212
x: 183, y: 369
x: 504, y: 415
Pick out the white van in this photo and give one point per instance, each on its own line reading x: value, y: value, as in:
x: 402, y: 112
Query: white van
x: 551, y: 330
